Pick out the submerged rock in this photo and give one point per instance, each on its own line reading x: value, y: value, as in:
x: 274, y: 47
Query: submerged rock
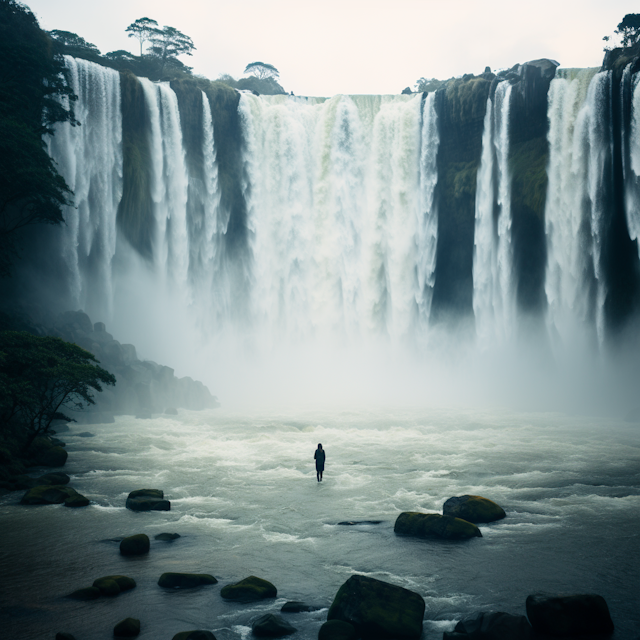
x: 474, y: 509
x: 127, y: 628
x: 378, y: 609
x: 432, y: 525
x: 569, y: 615
x: 198, y: 634
x: 494, y: 625
x: 87, y: 593
x: 113, y: 585
x: 249, y: 590
x: 185, y: 580
x: 298, y: 607
x: 135, y: 545
x: 272, y: 626
x: 352, y: 523
x: 167, y: 537
x: 337, y: 630
x: 147, y: 500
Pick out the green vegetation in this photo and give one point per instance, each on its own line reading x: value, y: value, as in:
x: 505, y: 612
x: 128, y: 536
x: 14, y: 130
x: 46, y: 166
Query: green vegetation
x: 34, y: 96
x: 266, y: 86
x: 39, y: 378
x: 628, y: 29
x: 142, y: 30
x: 427, y: 85
x: 262, y: 70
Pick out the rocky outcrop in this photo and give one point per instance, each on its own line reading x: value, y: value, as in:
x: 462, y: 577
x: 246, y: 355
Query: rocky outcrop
x: 378, y: 609
x: 337, y: 630
x: 127, y: 628
x: 54, y: 494
x: 185, y: 580
x: 135, y: 545
x: 569, y: 615
x: 474, y: 509
x: 432, y: 525
x: 494, y: 625
x: 250, y: 589
x: 271, y: 626
x: 147, y: 500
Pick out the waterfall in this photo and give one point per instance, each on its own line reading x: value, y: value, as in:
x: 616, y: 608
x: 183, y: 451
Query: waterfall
x: 578, y: 148
x: 89, y: 158
x: 632, y: 172
x: 493, y: 286
x: 341, y: 206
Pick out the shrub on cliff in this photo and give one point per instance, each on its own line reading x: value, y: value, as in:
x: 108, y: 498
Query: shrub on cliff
x: 39, y: 378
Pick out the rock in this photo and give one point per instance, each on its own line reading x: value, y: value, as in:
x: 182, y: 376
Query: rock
x: 271, y: 626
x: 407, y: 91
x: 167, y: 537
x: 59, y: 426
x: 494, y: 625
x: 378, y: 609
x: 113, y: 585
x: 194, y: 635
x: 298, y: 607
x: 52, y: 457
x: 87, y: 593
x: 431, y: 525
x: 473, y: 509
x: 56, y: 477
x: 77, y: 500
x: 147, y: 500
x: 127, y: 628
x: 249, y: 590
x: 99, y: 327
x: 337, y: 630
x: 352, y: 523
x: 54, y: 494
x: 135, y: 545
x: 569, y: 615
x: 171, y: 411
x: 64, y: 636
x: 185, y: 580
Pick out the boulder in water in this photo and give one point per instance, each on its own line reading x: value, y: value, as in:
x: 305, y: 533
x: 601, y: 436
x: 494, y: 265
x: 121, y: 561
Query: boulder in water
x: 337, y: 630
x: 432, y: 525
x: 113, y: 585
x: 249, y: 590
x: 474, y: 509
x: 147, y: 500
x: 127, y: 628
x: 135, y: 545
x: 167, y: 537
x: 271, y: 626
x: 54, y: 494
x: 494, y: 625
x: 185, y: 580
x: 198, y: 634
x: 378, y: 609
x: 295, y: 606
x: 569, y: 615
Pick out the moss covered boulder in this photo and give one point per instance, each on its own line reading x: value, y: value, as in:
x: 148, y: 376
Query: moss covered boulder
x: 432, y: 525
x: 337, y: 630
x: 473, y: 509
x: 113, y: 585
x: 147, y: 500
x: 197, y: 634
x: 569, y: 615
x: 127, y: 628
x: 135, y: 545
x: 271, y: 626
x: 249, y: 590
x: 54, y: 494
x: 76, y: 500
x: 492, y: 625
x: 185, y: 580
x: 378, y: 609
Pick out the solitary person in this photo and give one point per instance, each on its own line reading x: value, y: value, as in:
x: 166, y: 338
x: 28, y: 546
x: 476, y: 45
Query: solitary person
x: 319, y: 456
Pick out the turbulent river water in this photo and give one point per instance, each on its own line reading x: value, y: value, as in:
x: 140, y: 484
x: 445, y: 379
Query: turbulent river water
x: 245, y: 501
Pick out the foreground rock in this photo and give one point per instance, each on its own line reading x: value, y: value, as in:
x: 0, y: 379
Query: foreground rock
x: 147, y: 500
x: 378, y: 609
x: 54, y: 494
x: 114, y: 585
x: 337, y: 630
x: 569, y: 615
x: 295, y: 606
x: 185, y: 580
x: 198, y: 634
x: 250, y: 589
x: 271, y: 626
x: 432, y: 525
x: 494, y: 625
x: 474, y: 509
x: 135, y: 545
x: 127, y: 628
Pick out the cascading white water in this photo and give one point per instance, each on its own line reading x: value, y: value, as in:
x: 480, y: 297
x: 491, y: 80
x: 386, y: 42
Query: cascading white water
x: 493, y: 287
x: 89, y: 157
x: 341, y: 207
x: 632, y: 175
x: 578, y: 146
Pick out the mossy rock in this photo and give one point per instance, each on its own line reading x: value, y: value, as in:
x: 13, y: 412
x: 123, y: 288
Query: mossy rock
x: 198, y: 634
x: 149, y: 493
x: 378, y: 609
x: 432, y: 525
x: 491, y: 624
x: 337, y: 630
x: 51, y: 494
x: 185, y: 580
x: 113, y: 585
x: 86, y: 593
x: 473, y: 509
x: 147, y: 500
x: 271, y: 626
x: 249, y: 590
x: 127, y: 628
x: 135, y: 545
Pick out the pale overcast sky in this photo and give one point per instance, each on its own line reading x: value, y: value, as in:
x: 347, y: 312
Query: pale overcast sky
x: 326, y: 47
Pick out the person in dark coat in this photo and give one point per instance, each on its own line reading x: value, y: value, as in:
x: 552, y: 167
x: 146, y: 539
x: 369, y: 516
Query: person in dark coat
x: 319, y: 456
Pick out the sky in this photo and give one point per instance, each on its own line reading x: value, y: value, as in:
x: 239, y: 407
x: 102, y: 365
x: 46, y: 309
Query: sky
x: 322, y: 48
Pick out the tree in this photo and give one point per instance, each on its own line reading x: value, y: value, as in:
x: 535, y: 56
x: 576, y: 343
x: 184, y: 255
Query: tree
x: 73, y: 40
x: 34, y: 95
x: 119, y: 56
x: 628, y: 29
x: 262, y: 70
x: 142, y: 30
x: 42, y: 376
x: 168, y: 43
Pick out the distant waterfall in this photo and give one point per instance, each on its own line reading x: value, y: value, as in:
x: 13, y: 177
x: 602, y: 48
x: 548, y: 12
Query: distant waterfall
x: 632, y: 172
x: 89, y: 157
x: 579, y: 144
x: 342, y: 211
x: 493, y: 285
